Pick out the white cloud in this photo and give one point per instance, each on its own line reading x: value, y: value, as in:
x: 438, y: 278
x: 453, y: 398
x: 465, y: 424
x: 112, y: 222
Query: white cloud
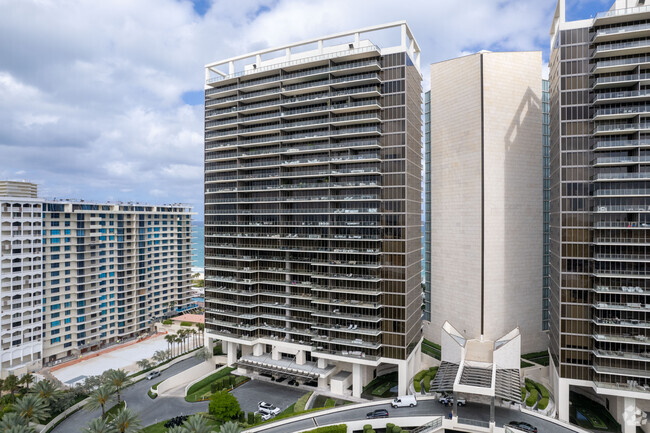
x: 90, y: 93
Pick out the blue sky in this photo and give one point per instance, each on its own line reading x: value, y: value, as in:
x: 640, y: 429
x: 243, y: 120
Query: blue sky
x: 103, y: 100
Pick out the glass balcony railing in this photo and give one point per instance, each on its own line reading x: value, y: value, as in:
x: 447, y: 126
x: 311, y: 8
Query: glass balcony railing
x: 607, y: 144
x: 622, y: 78
x: 622, y: 176
x: 622, y: 159
x: 621, y: 128
x: 618, y: 192
x: 624, y: 94
x: 629, y: 61
x: 622, y: 110
x: 623, y: 29
x: 643, y: 43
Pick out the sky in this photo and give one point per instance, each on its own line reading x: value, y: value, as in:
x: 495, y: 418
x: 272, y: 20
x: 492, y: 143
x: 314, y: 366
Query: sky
x: 103, y: 100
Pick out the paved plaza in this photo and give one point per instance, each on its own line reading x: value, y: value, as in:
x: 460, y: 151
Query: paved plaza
x: 124, y: 358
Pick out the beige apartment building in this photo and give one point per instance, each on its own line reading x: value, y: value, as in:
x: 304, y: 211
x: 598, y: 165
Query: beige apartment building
x: 486, y: 196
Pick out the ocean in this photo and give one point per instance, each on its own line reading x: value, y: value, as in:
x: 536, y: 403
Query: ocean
x: 197, y: 244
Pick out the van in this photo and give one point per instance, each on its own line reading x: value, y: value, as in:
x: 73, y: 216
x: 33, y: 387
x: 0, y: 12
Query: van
x: 404, y: 401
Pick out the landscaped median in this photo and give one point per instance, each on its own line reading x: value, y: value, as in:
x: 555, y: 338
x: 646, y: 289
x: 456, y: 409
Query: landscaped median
x: 217, y: 381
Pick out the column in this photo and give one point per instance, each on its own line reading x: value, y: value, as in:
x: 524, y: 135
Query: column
x: 258, y: 349
x: 492, y: 422
x: 301, y: 357
x: 562, y: 399
x: 455, y: 406
x: 403, y: 34
x: 628, y: 415
x: 322, y: 363
x: 402, y: 378
x: 357, y: 383
x: 275, y: 353
x: 232, y: 353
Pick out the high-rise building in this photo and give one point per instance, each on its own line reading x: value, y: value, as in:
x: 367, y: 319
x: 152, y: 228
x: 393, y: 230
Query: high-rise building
x: 77, y: 276
x: 313, y: 208
x: 600, y: 209
x: 21, y: 290
x: 426, y: 314
x: 111, y: 270
x: 486, y: 196
x: 546, y: 164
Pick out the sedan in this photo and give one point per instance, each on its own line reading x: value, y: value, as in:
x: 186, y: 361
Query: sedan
x: 153, y: 375
x: 378, y: 413
x: 523, y: 426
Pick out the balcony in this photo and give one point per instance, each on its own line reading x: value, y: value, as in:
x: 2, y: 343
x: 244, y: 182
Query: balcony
x: 620, y: 290
x: 625, y: 339
x: 622, y: 96
x: 629, y: 306
x: 624, y: 32
x: 622, y: 257
x: 622, y: 15
x: 621, y: 80
x: 618, y: 371
x: 621, y: 160
x: 622, y: 192
x: 619, y: 65
x: 626, y: 112
x: 626, y: 128
x: 621, y: 48
x: 621, y: 208
x: 619, y: 354
x: 602, y: 177
x: 626, y: 323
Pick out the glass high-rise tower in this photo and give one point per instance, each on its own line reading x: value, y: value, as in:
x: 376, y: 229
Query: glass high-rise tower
x: 313, y: 206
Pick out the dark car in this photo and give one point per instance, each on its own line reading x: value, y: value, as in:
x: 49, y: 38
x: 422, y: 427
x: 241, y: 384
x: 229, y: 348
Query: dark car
x: 523, y: 426
x: 379, y: 413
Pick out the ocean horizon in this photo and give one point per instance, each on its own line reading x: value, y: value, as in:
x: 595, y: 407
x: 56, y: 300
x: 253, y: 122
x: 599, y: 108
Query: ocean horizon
x: 197, y: 244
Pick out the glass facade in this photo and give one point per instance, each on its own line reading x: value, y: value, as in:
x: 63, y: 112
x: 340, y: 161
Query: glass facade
x: 546, y: 148
x: 313, y: 205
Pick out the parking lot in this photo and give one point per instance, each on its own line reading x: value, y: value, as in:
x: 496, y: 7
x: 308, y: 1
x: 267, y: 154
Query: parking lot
x: 254, y: 391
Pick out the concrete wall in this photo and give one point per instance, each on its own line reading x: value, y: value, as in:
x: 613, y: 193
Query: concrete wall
x: 186, y: 376
x: 509, y: 133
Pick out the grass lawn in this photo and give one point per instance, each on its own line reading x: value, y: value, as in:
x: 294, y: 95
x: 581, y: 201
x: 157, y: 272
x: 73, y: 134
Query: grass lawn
x: 202, y: 387
x: 380, y: 386
x: 588, y: 414
x: 431, y: 348
x: 540, y: 358
x: 525, y: 364
x: 113, y: 410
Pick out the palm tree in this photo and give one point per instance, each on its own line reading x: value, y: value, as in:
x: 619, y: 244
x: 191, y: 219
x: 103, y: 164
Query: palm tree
x: 176, y: 429
x: 19, y: 429
x: 125, y: 421
x: 160, y: 356
x: 230, y: 427
x: 201, y: 327
x: 99, y: 397
x: 12, y: 419
x: 27, y: 379
x: 99, y: 425
x: 144, y: 364
x: 11, y: 384
x: 170, y: 339
x: 47, y: 390
x: 32, y: 407
x: 196, y: 424
x: 181, y: 335
x: 203, y: 354
x: 118, y: 379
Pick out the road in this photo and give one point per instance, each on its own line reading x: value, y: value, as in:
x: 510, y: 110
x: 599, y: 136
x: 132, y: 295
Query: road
x: 425, y: 407
x: 150, y: 411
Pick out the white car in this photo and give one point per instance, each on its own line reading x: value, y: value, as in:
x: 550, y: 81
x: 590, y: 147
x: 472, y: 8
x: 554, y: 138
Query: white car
x: 267, y: 408
x: 153, y: 375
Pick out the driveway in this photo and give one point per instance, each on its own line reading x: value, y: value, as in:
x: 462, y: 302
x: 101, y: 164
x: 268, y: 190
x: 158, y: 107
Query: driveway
x: 150, y: 411
x: 425, y: 407
x: 256, y: 390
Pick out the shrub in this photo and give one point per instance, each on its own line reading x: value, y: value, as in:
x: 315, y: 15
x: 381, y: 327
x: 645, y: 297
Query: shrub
x: 543, y: 392
x: 530, y: 385
x: 542, y: 403
x: 341, y: 428
x: 532, y: 398
x: 397, y: 429
x: 251, y: 418
x: 302, y: 402
x: 523, y: 393
x: 167, y: 322
x: 417, y: 386
x: 427, y: 382
x: 151, y: 394
x: 242, y: 417
x: 258, y: 418
x: 186, y: 324
x: 389, y: 426
x: 224, y: 406
x: 419, y: 375
x: 217, y: 350
x: 367, y: 427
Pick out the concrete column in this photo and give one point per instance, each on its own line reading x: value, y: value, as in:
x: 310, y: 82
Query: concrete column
x: 246, y: 350
x: 231, y: 68
x: 455, y: 406
x: 492, y: 410
x: 320, y: 47
x: 627, y: 414
x: 357, y: 40
x: 258, y: 349
x: 403, y: 34
x: 402, y: 378
x: 275, y: 353
x: 301, y: 357
x: 258, y: 60
x: 562, y: 400
x: 232, y: 353
x: 322, y: 363
x: 322, y: 382
x: 357, y: 384
x: 287, y: 53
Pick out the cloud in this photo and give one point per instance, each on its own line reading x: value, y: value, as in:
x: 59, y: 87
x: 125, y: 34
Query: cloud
x: 99, y: 99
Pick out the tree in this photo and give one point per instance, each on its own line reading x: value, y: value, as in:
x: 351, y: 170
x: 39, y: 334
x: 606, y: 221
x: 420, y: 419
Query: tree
x: 176, y: 429
x: 230, y: 427
x: 203, y: 354
x: 19, y: 429
x: 118, y: 379
x: 182, y: 336
x: 201, y: 327
x: 12, y: 419
x: 144, y: 364
x: 99, y: 397
x: 27, y: 379
x: 125, y: 421
x: 170, y: 339
x: 32, y: 407
x: 11, y: 385
x: 99, y: 425
x: 160, y: 356
x: 196, y: 424
x: 224, y: 406
x: 47, y: 390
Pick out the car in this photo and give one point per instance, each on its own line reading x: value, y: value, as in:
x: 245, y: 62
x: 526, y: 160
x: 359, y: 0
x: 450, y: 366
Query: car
x: 404, y: 401
x: 448, y: 400
x: 267, y: 408
x: 377, y: 413
x: 523, y: 426
x: 153, y: 374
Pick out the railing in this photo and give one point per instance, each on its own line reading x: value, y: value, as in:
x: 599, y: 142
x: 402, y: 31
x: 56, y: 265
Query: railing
x: 615, y: 192
x: 617, y: 159
x: 621, y: 127
x: 620, y: 12
x: 621, y: 45
x: 359, y: 50
x: 620, y: 143
x: 620, y: 78
x: 614, y: 176
x: 624, y: 94
x: 474, y: 422
x: 622, y: 110
x: 621, y: 62
x: 623, y: 29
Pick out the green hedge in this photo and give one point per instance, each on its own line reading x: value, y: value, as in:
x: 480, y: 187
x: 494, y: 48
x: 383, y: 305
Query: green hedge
x: 532, y: 398
x: 302, y: 402
x: 167, y: 322
x: 341, y: 428
x: 419, y: 375
x: 151, y: 394
x: 530, y: 385
x: 523, y: 393
x: 426, y: 383
x: 543, y: 392
x: 542, y: 403
x: 417, y: 386
x: 187, y: 324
